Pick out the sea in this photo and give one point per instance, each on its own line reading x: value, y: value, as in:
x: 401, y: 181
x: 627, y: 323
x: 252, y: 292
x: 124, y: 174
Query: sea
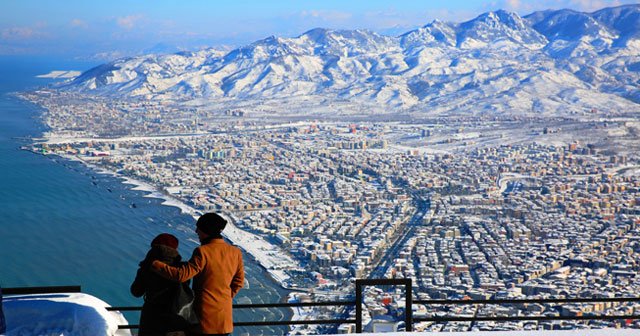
x: 62, y: 223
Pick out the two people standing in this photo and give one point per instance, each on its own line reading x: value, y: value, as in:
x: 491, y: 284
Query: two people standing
x: 217, y: 271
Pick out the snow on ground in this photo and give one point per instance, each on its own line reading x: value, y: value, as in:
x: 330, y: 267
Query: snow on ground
x: 155, y: 193
x: 266, y: 254
x: 75, y: 314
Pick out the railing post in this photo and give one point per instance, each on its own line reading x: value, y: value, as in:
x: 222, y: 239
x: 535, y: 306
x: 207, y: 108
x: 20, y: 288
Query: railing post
x: 408, y: 305
x: 359, y: 306
x: 408, y: 313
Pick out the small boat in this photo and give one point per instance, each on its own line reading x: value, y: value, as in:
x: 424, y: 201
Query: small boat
x: 133, y: 205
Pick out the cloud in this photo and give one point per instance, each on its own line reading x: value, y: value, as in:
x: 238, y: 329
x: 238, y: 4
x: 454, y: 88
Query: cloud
x: 326, y: 15
x: 128, y: 22
x: 523, y: 7
x: 385, y: 19
x: 448, y: 15
x: 593, y: 5
x: 526, y: 7
x: 77, y: 23
x: 14, y: 50
x: 20, y: 33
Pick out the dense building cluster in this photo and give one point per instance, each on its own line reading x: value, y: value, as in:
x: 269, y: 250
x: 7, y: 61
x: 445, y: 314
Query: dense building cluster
x: 461, y: 211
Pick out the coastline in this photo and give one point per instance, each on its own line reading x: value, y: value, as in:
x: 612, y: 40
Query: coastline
x: 80, y: 165
x: 263, y: 252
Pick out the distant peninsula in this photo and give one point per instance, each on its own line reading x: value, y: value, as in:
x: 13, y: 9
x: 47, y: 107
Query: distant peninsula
x: 59, y: 74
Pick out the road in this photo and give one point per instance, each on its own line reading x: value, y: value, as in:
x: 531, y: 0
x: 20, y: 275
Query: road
x: 384, y: 262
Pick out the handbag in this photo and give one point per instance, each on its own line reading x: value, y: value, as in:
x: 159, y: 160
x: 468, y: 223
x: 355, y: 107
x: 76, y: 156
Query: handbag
x: 182, y: 304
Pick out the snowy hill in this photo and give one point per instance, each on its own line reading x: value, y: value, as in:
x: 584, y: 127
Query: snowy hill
x: 549, y: 62
x: 494, y: 27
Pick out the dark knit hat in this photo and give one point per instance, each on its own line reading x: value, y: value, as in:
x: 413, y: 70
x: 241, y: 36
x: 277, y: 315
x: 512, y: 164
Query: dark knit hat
x: 211, y: 224
x: 165, y: 239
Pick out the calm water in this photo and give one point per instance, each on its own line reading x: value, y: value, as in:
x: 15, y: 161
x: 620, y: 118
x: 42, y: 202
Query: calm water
x: 63, y: 224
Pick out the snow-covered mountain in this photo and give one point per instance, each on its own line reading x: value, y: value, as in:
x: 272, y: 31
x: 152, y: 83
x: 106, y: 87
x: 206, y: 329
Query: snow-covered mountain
x: 547, y: 62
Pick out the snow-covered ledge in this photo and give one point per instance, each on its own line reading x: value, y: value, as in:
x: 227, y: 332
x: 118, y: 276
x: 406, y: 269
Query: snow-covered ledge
x: 75, y: 314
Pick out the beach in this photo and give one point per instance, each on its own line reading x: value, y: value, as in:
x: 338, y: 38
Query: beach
x: 267, y: 255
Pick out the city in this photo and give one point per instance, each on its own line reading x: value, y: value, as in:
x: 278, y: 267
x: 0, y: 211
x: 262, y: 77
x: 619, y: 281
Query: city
x: 466, y: 207
x: 410, y: 166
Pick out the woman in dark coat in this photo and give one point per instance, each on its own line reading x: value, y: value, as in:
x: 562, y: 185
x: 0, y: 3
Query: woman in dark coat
x: 156, y: 317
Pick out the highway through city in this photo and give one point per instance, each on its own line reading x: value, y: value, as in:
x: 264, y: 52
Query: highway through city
x: 384, y: 262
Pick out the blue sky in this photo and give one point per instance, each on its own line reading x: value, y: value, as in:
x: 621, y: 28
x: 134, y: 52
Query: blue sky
x: 124, y: 27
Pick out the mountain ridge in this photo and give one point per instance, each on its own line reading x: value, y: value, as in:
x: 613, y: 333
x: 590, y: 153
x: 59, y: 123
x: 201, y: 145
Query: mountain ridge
x: 553, y: 62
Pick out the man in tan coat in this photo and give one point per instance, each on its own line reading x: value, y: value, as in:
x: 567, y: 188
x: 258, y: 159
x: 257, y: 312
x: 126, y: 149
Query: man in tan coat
x: 218, y: 273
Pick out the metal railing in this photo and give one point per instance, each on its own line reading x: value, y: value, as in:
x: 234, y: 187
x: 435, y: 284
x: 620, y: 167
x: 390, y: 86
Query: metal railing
x: 267, y: 305
x: 409, y: 302
x: 385, y: 282
x: 40, y: 290
x: 526, y: 318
